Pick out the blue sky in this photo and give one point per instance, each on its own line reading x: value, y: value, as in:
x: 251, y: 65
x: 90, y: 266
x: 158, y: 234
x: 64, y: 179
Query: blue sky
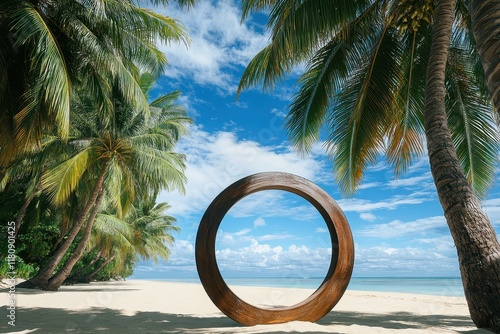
x: 397, y: 224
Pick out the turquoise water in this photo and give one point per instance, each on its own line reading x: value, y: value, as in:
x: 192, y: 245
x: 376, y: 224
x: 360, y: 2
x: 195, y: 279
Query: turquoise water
x: 440, y: 286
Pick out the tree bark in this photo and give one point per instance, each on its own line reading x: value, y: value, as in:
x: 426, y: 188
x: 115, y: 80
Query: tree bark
x: 58, y: 279
x: 88, y: 278
x: 477, y: 245
x: 485, y: 16
x: 81, y: 271
x: 41, y: 279
x: 22, y: 212
x: 62, y: 234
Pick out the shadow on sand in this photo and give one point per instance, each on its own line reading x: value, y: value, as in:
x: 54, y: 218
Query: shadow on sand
x: 105, y: 320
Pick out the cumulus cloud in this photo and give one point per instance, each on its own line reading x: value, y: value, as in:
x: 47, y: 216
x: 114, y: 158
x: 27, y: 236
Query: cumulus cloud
x: 415, y: 181
x: 215, y: 160
x: 398, y: 228
x: 368, y: 216
x: 241, y: 253
x: 248, y: 256
x: 182, y: 258
x: 219, y: 43
x: 259, y: 222
x: 296, y: 260
x: 404, y: 260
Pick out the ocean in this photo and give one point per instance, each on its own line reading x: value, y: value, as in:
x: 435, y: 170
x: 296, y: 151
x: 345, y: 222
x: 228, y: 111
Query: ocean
x: 439, y: 286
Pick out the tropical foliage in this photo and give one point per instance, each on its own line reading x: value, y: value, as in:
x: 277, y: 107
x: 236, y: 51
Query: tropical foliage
x: 364, y: 82
x: 381, y: 75
x: 48, y: 48
x: 81, y: 142
x: 104, y: 168
x: 145, y: 233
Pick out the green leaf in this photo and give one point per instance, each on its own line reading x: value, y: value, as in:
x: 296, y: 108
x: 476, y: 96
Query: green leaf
x: 62, y: 180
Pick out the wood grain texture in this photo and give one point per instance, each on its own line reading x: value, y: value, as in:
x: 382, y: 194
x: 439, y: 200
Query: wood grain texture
x: 337, y: 278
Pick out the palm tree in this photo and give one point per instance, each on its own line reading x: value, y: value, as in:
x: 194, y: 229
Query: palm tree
x: 365, y: 78
x: 27, y: 169
x: 130, y: 157
x: 152, y: 230
x: 477, y: 245
x: 145, y: 232
x: 47, y: 48
x: 112, y: 237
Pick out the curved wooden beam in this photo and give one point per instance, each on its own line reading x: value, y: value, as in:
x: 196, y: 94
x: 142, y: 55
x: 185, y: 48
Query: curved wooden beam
x: 329, y: 292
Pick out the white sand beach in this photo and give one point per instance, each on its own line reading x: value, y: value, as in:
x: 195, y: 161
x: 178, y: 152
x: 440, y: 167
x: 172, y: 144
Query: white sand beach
x: 138, y: 306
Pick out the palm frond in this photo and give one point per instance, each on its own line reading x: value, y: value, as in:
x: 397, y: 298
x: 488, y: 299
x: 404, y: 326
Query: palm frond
x: 474, y: 132
x: 48, y: 61
x: 62, y: 180
x: 146, y: 81
x: 300, y: 27
x: 318, y: 84
x: 298, y: 30
x: 159, y: 169
x: 252, y: 6
x: 166, y: 100
x: 266, y: 67
x: 111, y: 227
x: 146, y: 21
x: 183, y: 3
x: 406, y: 133
x: 105, y: 59
x: 114, y: 186
x: 361, y: 112
x: 153, y: 230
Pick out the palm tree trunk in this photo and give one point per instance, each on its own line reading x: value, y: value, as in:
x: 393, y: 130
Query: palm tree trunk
x: 477, y: 245
x: 41, y: 279
x: 88, y: 278
x: 485, y: 15
x: 22, y: 212
x: 80, y: 272
x: 58, y: 279
x: 62, y: 234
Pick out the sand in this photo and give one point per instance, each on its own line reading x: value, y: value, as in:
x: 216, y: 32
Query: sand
x: 138, y: 306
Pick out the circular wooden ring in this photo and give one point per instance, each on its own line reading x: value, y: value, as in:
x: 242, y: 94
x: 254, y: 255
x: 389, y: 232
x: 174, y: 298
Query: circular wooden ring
x: 331, y: 289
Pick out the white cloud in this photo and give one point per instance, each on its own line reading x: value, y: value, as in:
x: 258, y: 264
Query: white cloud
x: 405, y: 261
x: 398, y: 228
x: 214, y: 161
x: 242, y: 253
x: 242, y: 232
x: 278, y: 113
x: 296, y: 260
x: 182, y: 255
x: 219, y: 43
x: 259, y: 222
x: 412, y: 181
x: 248, y: 255
x: 492, y: 209
x: 321, y: 230
x: 278, y: 236
x: 275, y: 203
x: 369, y: 185
x: 368, y: 216
x: 443, y: 244
x: 364, y: 205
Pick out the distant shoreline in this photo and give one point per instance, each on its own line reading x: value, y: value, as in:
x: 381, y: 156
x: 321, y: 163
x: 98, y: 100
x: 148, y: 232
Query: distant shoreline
x: 436, y: 286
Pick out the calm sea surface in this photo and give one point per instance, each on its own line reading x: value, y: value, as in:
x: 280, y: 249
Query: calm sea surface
x: 441, y: 286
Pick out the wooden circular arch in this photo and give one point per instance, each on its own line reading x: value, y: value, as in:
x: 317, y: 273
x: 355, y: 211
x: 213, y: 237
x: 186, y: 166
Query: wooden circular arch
x: 329, y: 292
